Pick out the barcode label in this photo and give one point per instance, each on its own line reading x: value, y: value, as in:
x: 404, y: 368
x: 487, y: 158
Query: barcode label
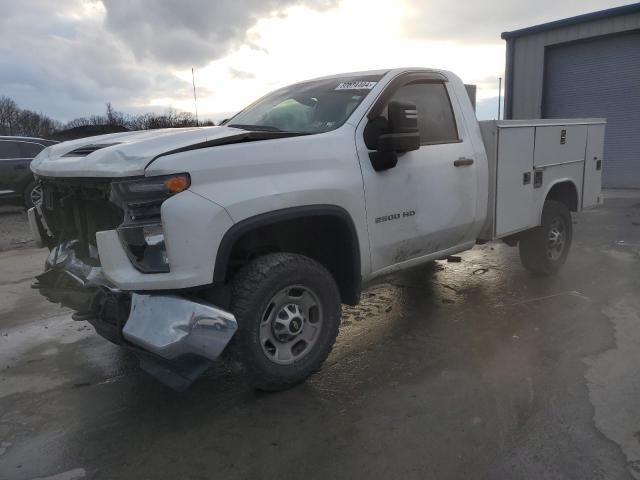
x: 356, y: 85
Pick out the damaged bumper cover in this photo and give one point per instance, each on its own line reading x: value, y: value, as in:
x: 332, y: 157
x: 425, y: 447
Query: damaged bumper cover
x: 171, y: 326
x: 163, y: 328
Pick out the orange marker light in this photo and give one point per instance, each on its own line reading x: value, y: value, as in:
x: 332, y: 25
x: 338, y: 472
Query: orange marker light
x: 177, y: 184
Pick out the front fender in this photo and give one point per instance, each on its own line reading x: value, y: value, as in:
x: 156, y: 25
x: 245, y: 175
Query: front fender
x: 193, y: 227
x: 254, y: 178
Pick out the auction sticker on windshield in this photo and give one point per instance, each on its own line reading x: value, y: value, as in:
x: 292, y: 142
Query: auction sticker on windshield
x: 356, y: 85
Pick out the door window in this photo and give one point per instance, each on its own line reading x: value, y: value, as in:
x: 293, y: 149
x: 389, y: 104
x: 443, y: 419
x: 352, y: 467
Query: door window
x: 436, y: 119
x: 30, y: 150
x: 9, y: 149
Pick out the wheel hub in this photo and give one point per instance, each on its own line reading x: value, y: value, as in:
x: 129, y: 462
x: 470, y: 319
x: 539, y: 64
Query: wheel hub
x: 290, y: 324
x: 556, y: 240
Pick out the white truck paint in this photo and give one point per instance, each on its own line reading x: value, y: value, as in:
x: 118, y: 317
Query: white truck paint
x: 485, y: 181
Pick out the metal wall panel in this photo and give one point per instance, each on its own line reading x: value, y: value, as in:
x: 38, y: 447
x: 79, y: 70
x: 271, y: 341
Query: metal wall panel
x: 600, y: 78
x: 526, y: 77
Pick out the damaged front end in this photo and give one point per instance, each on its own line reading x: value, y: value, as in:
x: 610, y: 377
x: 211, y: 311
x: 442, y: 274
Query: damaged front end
x: 176, y: 335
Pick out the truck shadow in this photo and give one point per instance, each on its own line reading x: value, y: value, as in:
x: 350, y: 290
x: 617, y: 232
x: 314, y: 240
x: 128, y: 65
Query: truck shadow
x: 406, y: 335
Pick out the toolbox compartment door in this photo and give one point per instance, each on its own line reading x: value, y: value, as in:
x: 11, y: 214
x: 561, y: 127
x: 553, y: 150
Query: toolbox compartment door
x: 592, y: 184
x: 558, y: 144
x: 514, y: 183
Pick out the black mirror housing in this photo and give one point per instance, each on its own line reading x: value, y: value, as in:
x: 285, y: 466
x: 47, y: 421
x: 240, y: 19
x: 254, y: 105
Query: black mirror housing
x: 390, y: 137
x: 403, y: 135
x: 383, y: 160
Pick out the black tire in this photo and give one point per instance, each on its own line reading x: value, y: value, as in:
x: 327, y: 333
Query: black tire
x: 538, y: 253
x: 255, y: 290
x: 28, y: 195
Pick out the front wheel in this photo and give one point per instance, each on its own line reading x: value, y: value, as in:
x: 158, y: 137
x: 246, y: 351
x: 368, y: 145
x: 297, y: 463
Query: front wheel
x: 288, y: 312
x: 544, y: 249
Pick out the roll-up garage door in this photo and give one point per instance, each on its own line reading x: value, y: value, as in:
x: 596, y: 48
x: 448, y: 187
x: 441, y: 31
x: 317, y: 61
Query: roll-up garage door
x: 600, y: 78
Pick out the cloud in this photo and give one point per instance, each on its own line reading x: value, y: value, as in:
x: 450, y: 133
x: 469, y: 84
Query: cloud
x: 191, y: 32
x: 67, y: 58
x: 57, y: 58
x: 483, y: 21
x: 236, y: 74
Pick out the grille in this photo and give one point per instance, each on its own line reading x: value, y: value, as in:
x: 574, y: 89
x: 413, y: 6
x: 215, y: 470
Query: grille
x: 75, y: 209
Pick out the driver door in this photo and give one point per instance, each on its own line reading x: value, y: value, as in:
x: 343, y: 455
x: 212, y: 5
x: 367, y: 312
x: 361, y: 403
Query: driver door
x: 427, y: 202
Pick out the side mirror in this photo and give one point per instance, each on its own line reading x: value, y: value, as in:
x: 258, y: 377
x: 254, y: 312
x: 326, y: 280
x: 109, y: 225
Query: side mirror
x: 403, y: 135
x: 388, y: 138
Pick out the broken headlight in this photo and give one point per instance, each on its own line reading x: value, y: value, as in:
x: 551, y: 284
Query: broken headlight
x: 141, y: 232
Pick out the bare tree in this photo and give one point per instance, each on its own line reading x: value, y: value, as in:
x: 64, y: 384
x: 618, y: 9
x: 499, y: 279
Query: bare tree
x: 8, y: 116
x: 17, y: 121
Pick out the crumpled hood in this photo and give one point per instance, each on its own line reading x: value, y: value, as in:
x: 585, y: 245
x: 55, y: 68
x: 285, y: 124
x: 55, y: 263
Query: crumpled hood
x: 126, y: 154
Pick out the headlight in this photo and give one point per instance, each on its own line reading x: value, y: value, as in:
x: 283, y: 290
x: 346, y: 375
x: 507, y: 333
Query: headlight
x: 141, y: 232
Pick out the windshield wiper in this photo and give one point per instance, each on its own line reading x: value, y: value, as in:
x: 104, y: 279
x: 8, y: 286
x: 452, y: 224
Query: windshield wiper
x: 254, y: 128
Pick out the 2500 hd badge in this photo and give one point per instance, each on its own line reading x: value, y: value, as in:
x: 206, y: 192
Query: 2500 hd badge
x: 395, y: 216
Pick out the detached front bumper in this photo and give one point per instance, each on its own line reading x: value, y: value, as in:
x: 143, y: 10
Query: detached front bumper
x: 175, y: 336
x: 171, y: 326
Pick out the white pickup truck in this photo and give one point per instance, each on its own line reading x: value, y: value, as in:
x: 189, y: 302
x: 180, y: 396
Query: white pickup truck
x: 181, y: 243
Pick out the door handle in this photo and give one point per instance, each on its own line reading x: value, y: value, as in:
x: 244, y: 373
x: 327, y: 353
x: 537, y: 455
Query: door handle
x: 463, y: 162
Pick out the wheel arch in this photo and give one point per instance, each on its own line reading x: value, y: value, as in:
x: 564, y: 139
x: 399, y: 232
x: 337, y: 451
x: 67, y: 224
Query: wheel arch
x: 346, y: 268
x: 565, y: 191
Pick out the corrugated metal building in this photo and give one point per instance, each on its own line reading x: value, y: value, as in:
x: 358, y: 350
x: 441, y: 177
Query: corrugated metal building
x: 584, y: 66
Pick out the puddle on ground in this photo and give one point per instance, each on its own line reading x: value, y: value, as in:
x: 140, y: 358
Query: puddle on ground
x: 612, y: 379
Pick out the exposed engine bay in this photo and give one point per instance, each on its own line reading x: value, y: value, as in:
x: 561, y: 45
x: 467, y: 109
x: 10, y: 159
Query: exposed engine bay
x: 71, y: 213
x: 77, y: 209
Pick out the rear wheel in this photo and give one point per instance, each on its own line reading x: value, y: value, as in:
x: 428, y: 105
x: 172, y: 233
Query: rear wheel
x: 288, y: 312
x: 32, y: 195
x: 544, y: 249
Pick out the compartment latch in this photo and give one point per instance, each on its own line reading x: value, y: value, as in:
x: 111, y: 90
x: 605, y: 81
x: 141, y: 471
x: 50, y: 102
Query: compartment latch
x: 537, y: 178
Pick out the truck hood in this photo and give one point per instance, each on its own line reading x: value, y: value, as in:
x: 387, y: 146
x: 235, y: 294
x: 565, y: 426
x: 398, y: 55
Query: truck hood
x: 127, y: 154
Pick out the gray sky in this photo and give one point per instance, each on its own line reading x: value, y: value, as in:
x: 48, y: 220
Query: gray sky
x: 67, y: 58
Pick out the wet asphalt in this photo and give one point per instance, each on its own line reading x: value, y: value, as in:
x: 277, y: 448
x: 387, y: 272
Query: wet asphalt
x: 450, y: 371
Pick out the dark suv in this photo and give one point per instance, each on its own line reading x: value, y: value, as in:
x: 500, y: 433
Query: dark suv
x: 16, y: 154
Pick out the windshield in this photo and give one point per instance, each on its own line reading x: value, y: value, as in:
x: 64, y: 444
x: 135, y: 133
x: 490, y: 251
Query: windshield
x: 309, y: 107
